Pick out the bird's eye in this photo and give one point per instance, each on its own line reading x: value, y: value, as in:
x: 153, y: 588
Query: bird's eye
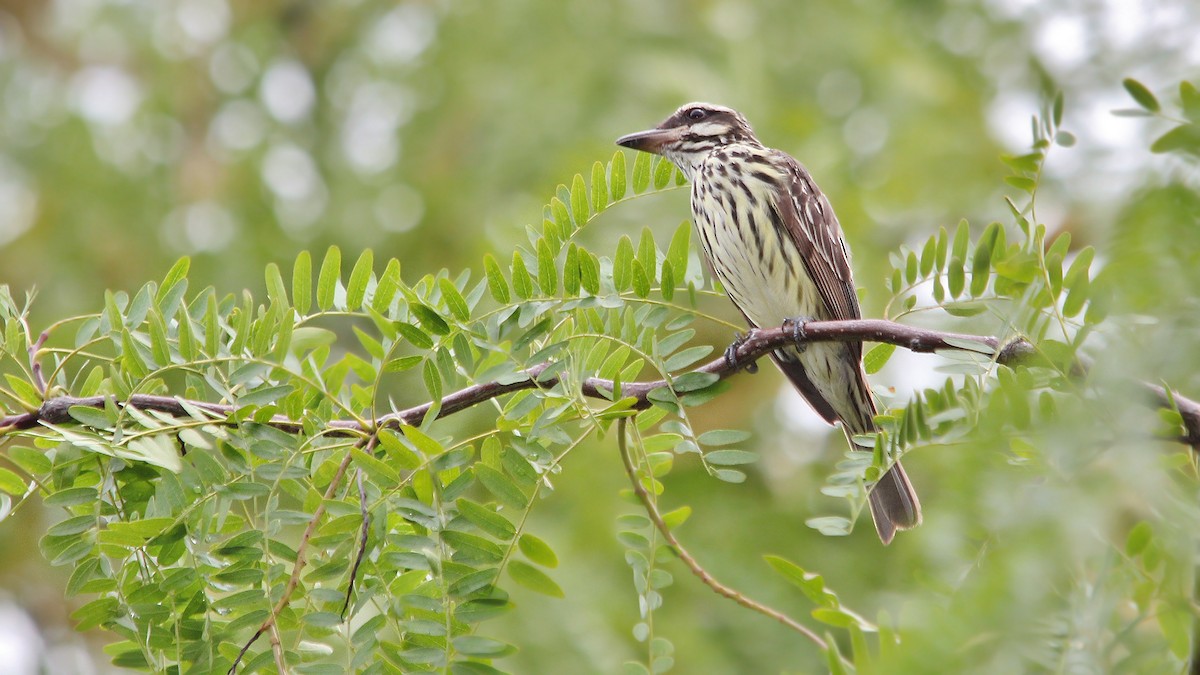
x: 696, y: 113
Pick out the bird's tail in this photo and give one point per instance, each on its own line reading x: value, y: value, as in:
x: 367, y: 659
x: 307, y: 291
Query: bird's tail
x: 893, y: 501
x: 894, y: 504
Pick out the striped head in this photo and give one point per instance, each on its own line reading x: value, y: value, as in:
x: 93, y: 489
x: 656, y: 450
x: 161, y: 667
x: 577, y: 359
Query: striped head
x: 689, y: 135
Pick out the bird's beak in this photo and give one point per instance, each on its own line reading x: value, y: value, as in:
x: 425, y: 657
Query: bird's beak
x: 651, y: 140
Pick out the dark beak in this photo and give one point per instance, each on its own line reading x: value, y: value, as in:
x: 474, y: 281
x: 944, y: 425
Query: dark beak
x: 651, y: 140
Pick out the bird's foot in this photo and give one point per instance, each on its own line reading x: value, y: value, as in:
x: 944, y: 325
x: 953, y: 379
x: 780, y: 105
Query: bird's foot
x: 731, y: 352
x: 796, y: 328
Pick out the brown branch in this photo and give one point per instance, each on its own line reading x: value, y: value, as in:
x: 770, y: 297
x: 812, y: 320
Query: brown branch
x: 758, y: 343
x: 362, y: 541
x: 294, y: 580
x: 690, y: 562
x: 35, y: 364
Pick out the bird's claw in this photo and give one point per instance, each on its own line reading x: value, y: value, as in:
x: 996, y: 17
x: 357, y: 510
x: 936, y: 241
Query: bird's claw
x: 796, y: 328
x: 731, y: 357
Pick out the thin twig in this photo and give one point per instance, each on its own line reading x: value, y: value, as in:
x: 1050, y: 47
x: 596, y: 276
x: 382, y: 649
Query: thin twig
x: 35, y: 363
x: 277, y: 650
x: 294, y: 580
x: 362, y: 539
x: 758, y: 343
x: 691, y: 563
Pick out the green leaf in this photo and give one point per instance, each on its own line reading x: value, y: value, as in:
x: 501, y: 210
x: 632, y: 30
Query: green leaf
x: 131, y: 356
x: 521, y: 281
x: 579, y: 202
x: 401, y: 364
x: 1079, y: 267
x: 641, y: 172
x: 177, y: 273
x: 1141, y: 94
x: 589, y: 272
x: 559, y: 228
x: 497, y: 284
x: 1185, y: 137
x: 428, y: 446
x: 641, y: 280
x: 454, y: 300
x: 276, y: 290
x: 25, y: 391
x: 571, y: 271
x: 1057, y: 109
x: 547, y: 271
x: 430, y: 320
x: 15, y: 485
x: 477, y: 645
x: 623, y: 264
x: 71, y: 496
x: 981, y: 264
x: 417, y: 337
x: 1022, y: 183
x: 877, y: 357
x: 1190, y: 98
x: 663, y: 171
x: 599, y: 188
x: 962, y: 238
x: 1137, y: 540
x: 616, y: 175
x: 96, y: 613
x: 830, y: 526
x: 501, y: 486
x: 302, y: 282
x: 719, y: 437
x: 265, y: 395
x: 327, y: 279
x: 433, y: 380
x: 1077, y: 296
x: 32, y: 461
x: 677, y: 252
x: 647, y: 253
x: 730, y: 457
x: 730, y: 475
x: 911, y: 267
x: 356, y: 287
x: 812, y: 585
x: 537, y: 551
x: 667, y: 285
x: 676, y: 518
x: 138, y: 307
x: 486, y: 520
x: 835, y: 617
x: 534, y: 579
x: 212, y: 330
x: 687, y: 357
x: 389, y: 284
x: 955, y: 277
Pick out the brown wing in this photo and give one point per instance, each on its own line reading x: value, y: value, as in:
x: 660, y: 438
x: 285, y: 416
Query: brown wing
x: 807, y: 216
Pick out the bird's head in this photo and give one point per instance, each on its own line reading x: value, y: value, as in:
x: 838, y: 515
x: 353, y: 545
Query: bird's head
x: 692, y: 132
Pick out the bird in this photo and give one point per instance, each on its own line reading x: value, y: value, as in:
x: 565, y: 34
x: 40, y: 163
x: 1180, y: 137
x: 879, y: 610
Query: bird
x: 771, y: 237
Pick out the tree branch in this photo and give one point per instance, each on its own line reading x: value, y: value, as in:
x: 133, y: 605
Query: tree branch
x: 758, y: 343
x: 690, y: 562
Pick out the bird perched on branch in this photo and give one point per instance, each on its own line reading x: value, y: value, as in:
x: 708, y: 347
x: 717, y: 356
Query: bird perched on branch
x: 774, y: 242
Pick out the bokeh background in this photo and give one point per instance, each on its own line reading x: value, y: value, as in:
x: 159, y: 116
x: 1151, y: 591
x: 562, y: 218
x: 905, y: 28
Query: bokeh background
x: 133, y: 132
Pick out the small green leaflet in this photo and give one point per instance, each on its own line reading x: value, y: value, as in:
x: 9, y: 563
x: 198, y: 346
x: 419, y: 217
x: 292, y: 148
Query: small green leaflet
x: 534, y: 579
x: 877, y: 357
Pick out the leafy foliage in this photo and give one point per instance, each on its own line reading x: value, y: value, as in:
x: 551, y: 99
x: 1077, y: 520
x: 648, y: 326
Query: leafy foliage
x: 292, y: 498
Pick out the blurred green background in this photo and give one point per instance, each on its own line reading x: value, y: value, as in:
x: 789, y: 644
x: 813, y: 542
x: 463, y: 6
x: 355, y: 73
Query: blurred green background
x: 136, y: 131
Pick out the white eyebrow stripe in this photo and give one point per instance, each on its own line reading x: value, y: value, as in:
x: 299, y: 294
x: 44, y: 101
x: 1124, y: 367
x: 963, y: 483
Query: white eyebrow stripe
x: 709, y: 128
